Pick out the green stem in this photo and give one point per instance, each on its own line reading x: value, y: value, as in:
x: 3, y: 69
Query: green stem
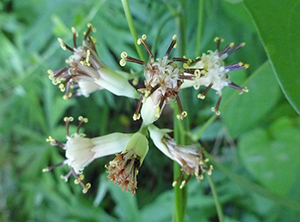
x: 179, y: 129
x: 199, y: 26
x: 216, y: 198
x: 132, y: 29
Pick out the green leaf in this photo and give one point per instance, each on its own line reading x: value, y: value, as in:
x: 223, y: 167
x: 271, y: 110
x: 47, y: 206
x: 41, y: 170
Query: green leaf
x: 246, y: 110
x: 278, y: 26
x: 272, y: 156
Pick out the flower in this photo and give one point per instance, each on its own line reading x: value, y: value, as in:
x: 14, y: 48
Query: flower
x: 214, y: 71
x: 87, y: 73
x: 162, y: 77
x: 191, y: 159
x: 81, y: 151
x: 123, y: 169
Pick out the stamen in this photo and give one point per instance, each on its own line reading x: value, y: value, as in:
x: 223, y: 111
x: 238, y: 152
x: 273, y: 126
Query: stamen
x: 195, y: 60
x: 78, y: 180
x: 53, y: 166
x: 158, y: 108
x: 67, y: 121
x: 137, y: 115
x: 184, y: 60
x: 202, y: 95
x: 226, y: 49
x: 66, y: 177
x: 64, y: 46
x: 236, y: 48
x: 81, y: 121
x: 184, y: 182
x: 172, y: 45
x: 75, y: 35
x: 182, y: 113
x: 143, y: 41
x: 216, y: 109
x: 131, y: 59
x: 177, y: 180
x: 90, y: 28
x: 218, y: 40
x: 234, y: 86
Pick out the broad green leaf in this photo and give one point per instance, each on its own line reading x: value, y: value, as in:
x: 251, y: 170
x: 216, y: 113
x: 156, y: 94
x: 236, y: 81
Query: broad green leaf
x: 272, y: 156
x: 278, y: 26
x: 246, y: 110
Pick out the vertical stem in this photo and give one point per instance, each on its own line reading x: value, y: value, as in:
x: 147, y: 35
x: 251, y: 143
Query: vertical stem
x: 199, y: 26
x: 179, y: 134
x: 132, y: 29
x: 216, y: 198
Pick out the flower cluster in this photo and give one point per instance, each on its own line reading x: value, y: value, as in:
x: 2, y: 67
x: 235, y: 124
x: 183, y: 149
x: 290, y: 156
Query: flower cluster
x: 164, y: 78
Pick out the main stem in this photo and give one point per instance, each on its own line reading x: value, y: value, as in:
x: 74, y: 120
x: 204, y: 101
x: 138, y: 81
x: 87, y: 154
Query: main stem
x: 132, y: 29
x: 179, y: 130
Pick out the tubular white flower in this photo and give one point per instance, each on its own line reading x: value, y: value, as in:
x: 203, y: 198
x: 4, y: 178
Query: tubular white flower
x: 81, y: 151
x: 214, y: 72
x: 87, y: 73
x: 191, y: 159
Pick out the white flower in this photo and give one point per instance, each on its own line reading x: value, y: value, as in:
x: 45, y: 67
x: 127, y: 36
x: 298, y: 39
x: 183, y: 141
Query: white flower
x: 214, y: 72
x: 191, y: 159
x: 123, y: 169
x: 87, y: 73
x: 163, y: 77
x: 81, y: 151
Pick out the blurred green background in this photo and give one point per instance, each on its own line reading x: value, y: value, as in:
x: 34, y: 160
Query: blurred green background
x: 254, y: 143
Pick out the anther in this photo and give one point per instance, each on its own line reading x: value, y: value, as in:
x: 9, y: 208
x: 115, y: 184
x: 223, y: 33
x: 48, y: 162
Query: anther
x: 217, y: 112
x: 62, y: 44
x: 201, y: 96
x: 86, y: 188
x: 136, y: 116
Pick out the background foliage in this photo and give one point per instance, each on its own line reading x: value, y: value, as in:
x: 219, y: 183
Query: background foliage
x: 254, y: 144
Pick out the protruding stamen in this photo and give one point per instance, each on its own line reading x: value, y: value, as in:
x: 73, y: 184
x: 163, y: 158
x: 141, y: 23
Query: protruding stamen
x: 137, y: 115
x: 78, y: 180
x: 75, y: 35
x: 53, y: 166
x: 67, y: 121
x: 236, y: 48
x: 131, y: 59
x: 218, y: 40
x: 202, y: 95
x: 226, y: 49
x: 177, y: 180
x: 90, y: 28
x: 66, y: 177
x: 182, y: 113
x: 81, y: 121
x: 143, y: 41
x: 184, y: 182
x: 234, y: 86
x: 64, y: 46
x: 184, y: 60
x: 216, y: 109
x: 172, y: 45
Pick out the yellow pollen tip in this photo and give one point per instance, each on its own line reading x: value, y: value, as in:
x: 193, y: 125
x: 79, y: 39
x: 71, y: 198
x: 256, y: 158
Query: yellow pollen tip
x: 197, y: 73
x: 139, y: 41
x: 144, y: 36
x: 231, y: 44
x: 243, y: 44
x: 50, y: 72
x: 245, y: 90
x: 175, y: 46
x: 216, y: 39
x: 68, y: 119
x: 87, y: 187
x: 62, y: 44
x: 185, y: 65
x: 136, y: 117
x: 213, y: 109
x: 66, y: 97
x: 174, y: 37
x: 246, y: 66
x: 45, y: 170
x: 174, y: 183
x: 124, y: 55
x: 241, y: 64
x: 182, y: 184
x: 74, y: 31
x: 62, y: 87
x: 122, y: 62
x: 201, y: 96
x: 89, y: 25
x: 76, y: 181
